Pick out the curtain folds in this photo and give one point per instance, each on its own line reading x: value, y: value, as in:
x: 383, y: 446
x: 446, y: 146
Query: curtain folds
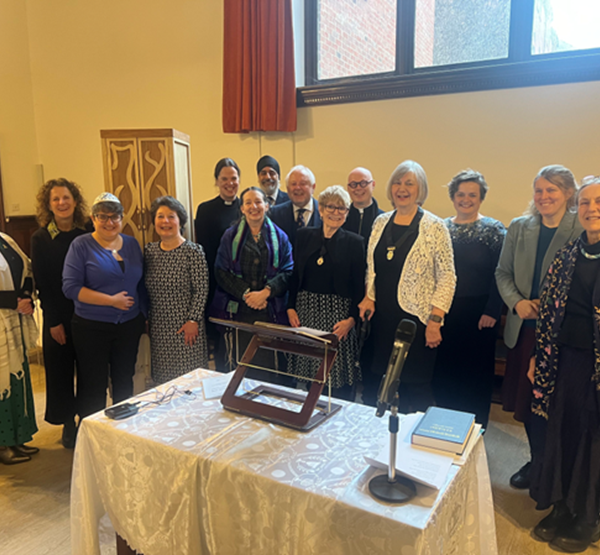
x: 259, y: 85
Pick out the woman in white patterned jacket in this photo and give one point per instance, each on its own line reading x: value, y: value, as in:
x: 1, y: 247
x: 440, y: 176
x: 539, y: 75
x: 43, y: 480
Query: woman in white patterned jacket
x: 410, y: 275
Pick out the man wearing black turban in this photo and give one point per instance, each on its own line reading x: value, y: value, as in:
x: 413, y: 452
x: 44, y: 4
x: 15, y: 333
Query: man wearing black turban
x: 269, y: 175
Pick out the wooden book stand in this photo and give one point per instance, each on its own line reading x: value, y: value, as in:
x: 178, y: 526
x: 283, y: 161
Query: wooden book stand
x: 299, y: 341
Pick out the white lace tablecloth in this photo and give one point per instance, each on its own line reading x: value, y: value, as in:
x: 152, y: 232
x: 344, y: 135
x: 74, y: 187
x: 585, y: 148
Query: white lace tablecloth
x: 191, y: 478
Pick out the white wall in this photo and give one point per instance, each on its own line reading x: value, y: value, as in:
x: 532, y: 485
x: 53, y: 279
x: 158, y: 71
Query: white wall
x: 18, y: 146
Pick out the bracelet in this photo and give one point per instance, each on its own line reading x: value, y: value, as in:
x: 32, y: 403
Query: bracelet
x: 245, y: 293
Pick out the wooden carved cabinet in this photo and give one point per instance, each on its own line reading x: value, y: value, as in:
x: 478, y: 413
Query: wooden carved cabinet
x: 141, y: 165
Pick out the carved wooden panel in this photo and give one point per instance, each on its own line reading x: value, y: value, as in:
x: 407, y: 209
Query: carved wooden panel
x: 155, y: 158
x: 141, y: 165
x: 121, y: 173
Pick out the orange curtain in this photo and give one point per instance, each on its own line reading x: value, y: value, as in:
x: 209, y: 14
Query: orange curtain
x: 259, y: 85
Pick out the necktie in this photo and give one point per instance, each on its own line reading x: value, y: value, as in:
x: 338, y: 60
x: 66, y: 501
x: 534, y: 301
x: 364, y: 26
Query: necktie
x: 271, y: 201
x: 300, y: 218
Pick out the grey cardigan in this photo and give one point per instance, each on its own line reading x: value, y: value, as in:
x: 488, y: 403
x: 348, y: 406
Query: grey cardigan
x: 514, y: 274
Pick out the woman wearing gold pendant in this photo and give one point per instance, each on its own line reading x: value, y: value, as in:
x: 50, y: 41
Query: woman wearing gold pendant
x: 326, y: 286
x: 410, y: 275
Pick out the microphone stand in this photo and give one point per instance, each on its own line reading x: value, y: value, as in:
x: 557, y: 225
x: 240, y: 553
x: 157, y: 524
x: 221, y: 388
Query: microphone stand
x: 392, y: 488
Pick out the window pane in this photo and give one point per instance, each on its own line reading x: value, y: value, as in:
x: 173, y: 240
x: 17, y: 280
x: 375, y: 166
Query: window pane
x: 453, y: 32
x: 356, y: 37
x: 561, y: 25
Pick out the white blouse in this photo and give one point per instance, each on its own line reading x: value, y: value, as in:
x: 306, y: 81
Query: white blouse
x: 428, y: 278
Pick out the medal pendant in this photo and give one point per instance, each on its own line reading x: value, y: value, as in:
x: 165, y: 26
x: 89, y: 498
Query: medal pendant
x: 320, y: 261
x: 390, y: 254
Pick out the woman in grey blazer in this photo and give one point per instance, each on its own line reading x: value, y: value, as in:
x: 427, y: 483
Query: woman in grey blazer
x: 530, y: 246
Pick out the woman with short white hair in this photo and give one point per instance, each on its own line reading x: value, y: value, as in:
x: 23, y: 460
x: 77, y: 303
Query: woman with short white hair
x: 326, y: 286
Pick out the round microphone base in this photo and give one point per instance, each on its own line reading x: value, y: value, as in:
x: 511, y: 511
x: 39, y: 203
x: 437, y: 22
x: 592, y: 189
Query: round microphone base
x: 400, y: 490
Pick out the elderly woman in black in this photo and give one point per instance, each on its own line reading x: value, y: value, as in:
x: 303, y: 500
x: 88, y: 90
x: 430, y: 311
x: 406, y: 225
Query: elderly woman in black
x: 326, y: 287
x: 566, y: 386
x: 410, y: 275
x: 62, y: 214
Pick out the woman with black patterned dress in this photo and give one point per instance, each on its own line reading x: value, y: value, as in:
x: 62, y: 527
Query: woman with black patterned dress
x: 177, y: 283
x: 464, y: 370
x: 327, y: 284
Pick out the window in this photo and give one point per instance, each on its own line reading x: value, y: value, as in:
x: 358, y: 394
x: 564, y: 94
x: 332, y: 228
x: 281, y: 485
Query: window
x: 373, y: 49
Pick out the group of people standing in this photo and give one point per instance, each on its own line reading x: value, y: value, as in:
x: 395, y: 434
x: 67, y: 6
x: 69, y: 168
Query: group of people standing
x: 331, y: 264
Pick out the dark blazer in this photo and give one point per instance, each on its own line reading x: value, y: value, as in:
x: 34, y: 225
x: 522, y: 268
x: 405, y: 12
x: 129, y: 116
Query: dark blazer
x: 281, y: 197
x: 283, y: 217
x: 347, y: 250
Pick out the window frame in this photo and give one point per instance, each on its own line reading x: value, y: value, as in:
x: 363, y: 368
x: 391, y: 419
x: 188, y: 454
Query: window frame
x: 519, y: 69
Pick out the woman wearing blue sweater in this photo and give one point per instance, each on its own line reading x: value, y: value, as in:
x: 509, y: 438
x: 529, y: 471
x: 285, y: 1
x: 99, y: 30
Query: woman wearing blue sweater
x: 103, y: 276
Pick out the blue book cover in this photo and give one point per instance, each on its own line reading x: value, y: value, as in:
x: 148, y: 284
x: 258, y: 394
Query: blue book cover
x: 444, y: 425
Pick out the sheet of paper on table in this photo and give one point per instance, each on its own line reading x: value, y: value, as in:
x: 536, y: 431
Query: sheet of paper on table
x: 215, y: 387
x: 421, y: 465
x: 425, y: 466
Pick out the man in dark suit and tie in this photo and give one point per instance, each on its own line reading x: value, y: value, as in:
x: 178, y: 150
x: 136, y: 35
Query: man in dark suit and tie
x: 301, y: 210
x: 269, y: 175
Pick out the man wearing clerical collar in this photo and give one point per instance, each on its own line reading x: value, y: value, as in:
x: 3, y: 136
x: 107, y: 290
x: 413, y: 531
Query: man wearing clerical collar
x: 269, y: 175
x: 364, y: 207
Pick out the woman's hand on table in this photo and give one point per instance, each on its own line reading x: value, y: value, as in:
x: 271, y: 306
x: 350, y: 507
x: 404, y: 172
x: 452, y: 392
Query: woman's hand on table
x: 24, y: 306
x: 190, y: 331
x: 122, y: 301
x: 293, y: 318
x: 58, y: 334
x: 343, y: 327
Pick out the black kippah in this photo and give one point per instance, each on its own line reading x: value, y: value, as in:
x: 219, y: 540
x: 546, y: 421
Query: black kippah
x: 270, y: 162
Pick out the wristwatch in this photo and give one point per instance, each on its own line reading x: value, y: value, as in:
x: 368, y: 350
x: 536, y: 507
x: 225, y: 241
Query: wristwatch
x: 437, y: 319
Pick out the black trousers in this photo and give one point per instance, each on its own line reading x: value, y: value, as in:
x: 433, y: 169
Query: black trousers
x: 59, y: 363
x: 103, y: 350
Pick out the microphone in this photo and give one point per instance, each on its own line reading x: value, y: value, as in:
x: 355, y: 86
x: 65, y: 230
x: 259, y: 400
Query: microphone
x: 405, y: 334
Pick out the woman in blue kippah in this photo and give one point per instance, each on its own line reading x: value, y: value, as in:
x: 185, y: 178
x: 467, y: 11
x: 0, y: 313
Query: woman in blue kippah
x: 103, y: 277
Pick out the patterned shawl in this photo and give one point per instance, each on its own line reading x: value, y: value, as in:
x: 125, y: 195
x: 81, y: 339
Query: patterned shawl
x: 553, y: 303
